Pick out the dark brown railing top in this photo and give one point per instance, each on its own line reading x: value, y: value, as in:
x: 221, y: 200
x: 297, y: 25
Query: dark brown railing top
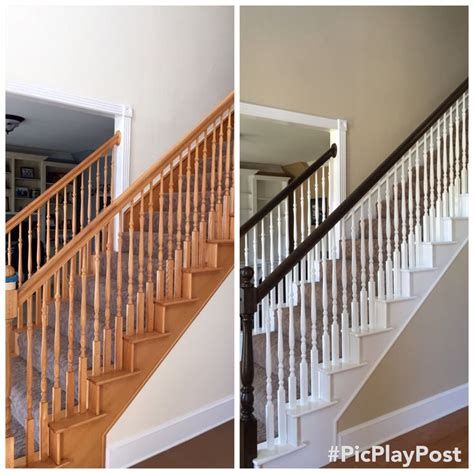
x: 283, y: 194
x: 334, y: 217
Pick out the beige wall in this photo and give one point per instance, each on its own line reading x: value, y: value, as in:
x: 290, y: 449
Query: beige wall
x: 429, y: 357
x: 171, y: 64
x: 384, y: 69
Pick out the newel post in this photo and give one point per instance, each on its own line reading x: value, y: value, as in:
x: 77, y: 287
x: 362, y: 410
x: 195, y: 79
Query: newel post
x: 11, y: 306
x: 248, y: 422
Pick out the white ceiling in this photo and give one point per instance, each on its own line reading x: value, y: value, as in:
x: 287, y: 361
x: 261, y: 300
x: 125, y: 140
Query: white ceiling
x: 270, y: 141
x: 55, y: 128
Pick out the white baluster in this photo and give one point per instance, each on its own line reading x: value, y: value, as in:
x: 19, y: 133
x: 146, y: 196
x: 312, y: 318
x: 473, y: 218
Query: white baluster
x: 272, y: 263
x: 326, y: 340
x: 265, y: 308
x: 345, y: 338
x: 397, y: 277
x: 303, y: 361
x: 246, y: 250
x: 417, y: 207
x: 354, y: 302
x: 310, y: 255
x: 364, y: 325
x: 411, y: 233
x: 426, y: 219
x: 316, y: 215
x: 335, y: 324
x: 269, y: 411
x: 291, y: 349
x: 432, y: 189
x: 371, y: 286
x: 323, y: 198
x: 445, y: 198
x: 380, y: 272
x: 463, y: 147
x: 256, y: 322
x: 451, y: 164
x: 287, y: 250
x: 404, y: 245
x: 314, y: 340
x: 281, y: 393
x: 439, y: 180
x: 457, y: 171
x: 388, y: 233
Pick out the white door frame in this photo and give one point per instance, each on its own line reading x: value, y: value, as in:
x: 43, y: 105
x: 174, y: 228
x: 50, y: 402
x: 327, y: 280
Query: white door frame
x: 337, y: 129
x: 121, y: 113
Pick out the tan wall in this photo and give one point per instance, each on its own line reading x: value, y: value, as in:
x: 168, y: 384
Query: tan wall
x: 171, y: 64
x: 384, y: 69
x: 429, y: 357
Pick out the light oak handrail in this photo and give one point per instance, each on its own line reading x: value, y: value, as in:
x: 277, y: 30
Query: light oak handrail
x: 105, y: 217
x: 60, y: 184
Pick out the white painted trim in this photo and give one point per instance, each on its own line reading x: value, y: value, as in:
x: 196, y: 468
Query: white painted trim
x: 421, y: 300
x: 137, y: 448
x: 403, y: 420
x: 121, y: 113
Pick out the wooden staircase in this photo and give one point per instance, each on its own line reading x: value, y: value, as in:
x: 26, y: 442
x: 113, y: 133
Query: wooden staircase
x: 110, y: 304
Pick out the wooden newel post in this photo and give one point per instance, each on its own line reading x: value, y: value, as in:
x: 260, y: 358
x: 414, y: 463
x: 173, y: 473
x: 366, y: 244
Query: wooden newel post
x: 248, y: 422
x: 11, y: 306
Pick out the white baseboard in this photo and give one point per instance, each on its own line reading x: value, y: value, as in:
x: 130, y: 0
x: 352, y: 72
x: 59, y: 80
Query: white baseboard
x: 131, y: 451
x: 398, y: 422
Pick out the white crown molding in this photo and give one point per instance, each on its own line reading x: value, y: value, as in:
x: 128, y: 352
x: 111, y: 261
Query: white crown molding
x: 131, y: 451
x: 71, y: 100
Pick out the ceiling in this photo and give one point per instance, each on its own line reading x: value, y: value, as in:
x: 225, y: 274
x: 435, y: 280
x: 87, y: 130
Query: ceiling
x: 275, y: 142
x: 56, y: 128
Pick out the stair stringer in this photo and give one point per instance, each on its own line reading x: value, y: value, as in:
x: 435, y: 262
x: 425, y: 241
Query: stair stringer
x: 316, y: 431
x: 84, y: 445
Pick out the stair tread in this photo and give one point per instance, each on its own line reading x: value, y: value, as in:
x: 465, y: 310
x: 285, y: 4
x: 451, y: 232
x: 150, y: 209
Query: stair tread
x: 74, y: 421
x: 112, y: 376
x: 176, y: 301
x: 147, y: 336
x: 202, y: 270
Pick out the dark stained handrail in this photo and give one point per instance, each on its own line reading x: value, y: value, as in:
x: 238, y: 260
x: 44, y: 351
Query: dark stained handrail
x: 283, y: 194
x: 334, y: 217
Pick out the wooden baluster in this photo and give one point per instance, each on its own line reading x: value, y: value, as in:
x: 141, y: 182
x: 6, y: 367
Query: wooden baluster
x: 43, y: 406
x: 9, y: 249
x: 56, y: 398
x: 269, y: 410
x: 326, y: 343
x: 141, y: 270
x: 457, y: 171
x: 371, y: 285
x: 281, y: 393
x: 388, y: 234
x: 29, y: 421
x: 291, y: 352
x: 169, y: 260
x: 202, y: 224
x: 431, y: 211
x: 82, y: 202
x: 334, y: 326
x: 451, y: 165
x: 226, y: 204
x: 345, y: 335
x: 195, y: 231
x: 56, y: 224
x: 30, y: 252
x: 150, y: 303
x: 106, y: 179
x: 97, y: 187
x: 397, y: 277
x: 212, y: 211
x: 96, y: 346
x: 463, y: 147
x: 303, y: 361
x: 187, y: 224
x: 64, y: 216
x: 48, y: 230
x: 130, y: 311
x: 364, y: 324
x: 10, y: 292
x: 178, y: 254
x: 417, y: 207
x: 89, y: 194
x: 445, y: 198
x: 354, y: 303
x: 404, y: 244
x: 160, y: 274
x: 38, y: 247
x: 107, y: 331
x: 219, y: 205
x: 74, y: 208
x: 118, y: 358
x: 426, y: 219
x: 82, y: 369
x: 439, y: 202
x: 411, y: 233
x: 70, y: 342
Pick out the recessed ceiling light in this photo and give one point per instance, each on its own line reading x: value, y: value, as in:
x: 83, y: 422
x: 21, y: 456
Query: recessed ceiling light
x: 11, y: 122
